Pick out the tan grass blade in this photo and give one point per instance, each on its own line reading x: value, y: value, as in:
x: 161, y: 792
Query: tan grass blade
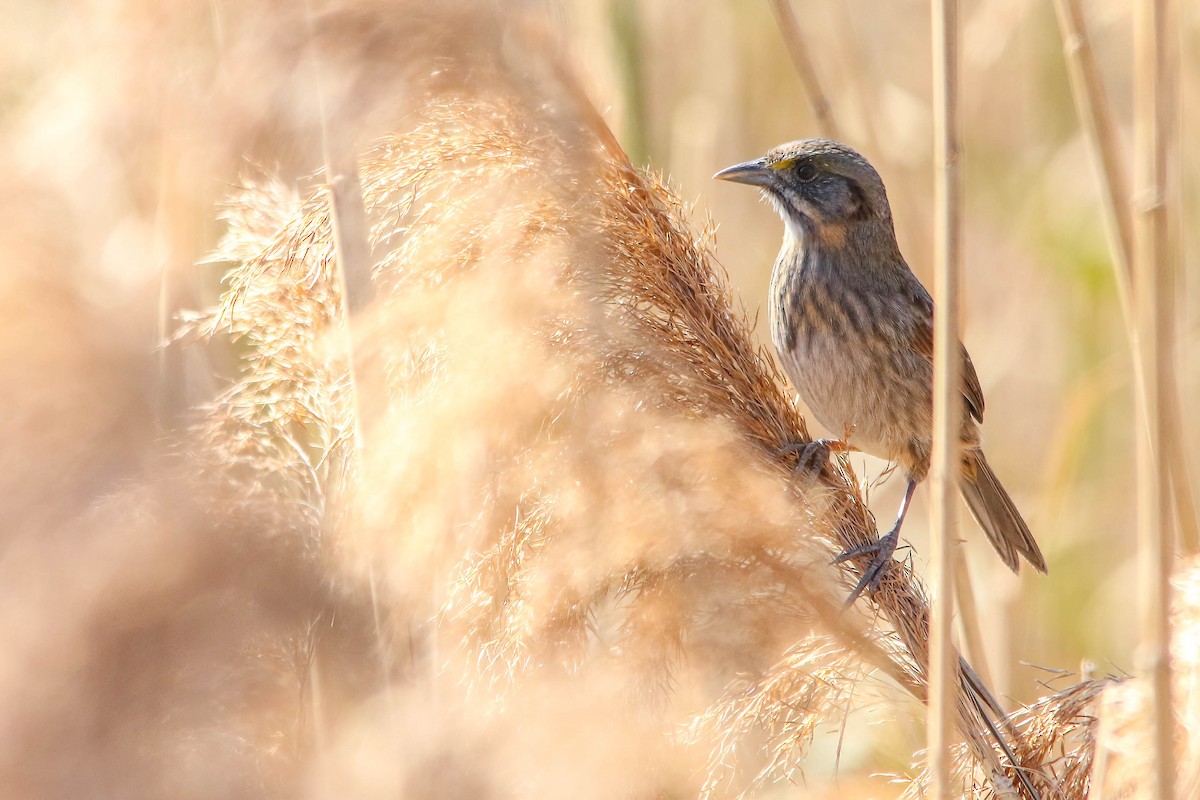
x: 827, y: 123
x: 822, y: 109
x: 1153, y: 270
x: 1093, y: 107
x: 947, y: 403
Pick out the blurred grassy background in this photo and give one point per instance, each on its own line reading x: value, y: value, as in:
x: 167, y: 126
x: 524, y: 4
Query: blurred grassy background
x: 124, y: 122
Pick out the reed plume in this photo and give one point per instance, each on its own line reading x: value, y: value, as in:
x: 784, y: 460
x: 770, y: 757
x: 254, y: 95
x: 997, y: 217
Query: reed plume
x: 561, y: 402
x: 522, y: 525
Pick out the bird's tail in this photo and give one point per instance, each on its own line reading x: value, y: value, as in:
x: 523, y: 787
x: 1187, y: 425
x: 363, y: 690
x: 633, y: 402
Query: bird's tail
x: 997, y: 514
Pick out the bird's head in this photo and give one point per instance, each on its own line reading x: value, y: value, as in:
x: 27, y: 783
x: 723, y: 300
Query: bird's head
x: 821, y: 188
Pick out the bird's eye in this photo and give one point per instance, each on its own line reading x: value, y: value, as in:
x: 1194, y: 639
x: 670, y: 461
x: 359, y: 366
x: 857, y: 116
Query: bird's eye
x: 806, y: 171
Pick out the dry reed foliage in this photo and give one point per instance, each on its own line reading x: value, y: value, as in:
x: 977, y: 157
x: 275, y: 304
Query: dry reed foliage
x: 569, y: 469
x: 552, y: 477
x: 1095, y: 735
x: 1124, y: 762
x: 518, y: 528
x: 1058, y: 733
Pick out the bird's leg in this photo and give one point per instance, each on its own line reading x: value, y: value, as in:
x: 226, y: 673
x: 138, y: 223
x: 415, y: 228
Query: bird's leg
x: 813, y: 456
x: 883, y: 548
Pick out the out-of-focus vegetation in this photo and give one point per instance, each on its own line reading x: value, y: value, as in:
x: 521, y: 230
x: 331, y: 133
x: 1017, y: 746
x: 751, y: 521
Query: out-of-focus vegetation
x: 210, y: 590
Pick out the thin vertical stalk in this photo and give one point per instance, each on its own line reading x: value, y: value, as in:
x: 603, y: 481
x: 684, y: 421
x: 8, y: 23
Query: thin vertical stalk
x: 352, y: 251
x: 627, y: 31
x: 169, y: 385
x: 164, y: 317
x: 947, y: 395
x: 864, y: 89
x: 348, y: 218
x: 347, y: 209
x: 1095, y: 115
x: 822, y: 110
x: 1152, y: 279
x: 1176, y: 450
x: 1177, y: 468
x: 968, y: 618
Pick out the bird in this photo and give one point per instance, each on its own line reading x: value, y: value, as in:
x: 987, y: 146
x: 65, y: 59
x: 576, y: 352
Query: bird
x: 853, y: 329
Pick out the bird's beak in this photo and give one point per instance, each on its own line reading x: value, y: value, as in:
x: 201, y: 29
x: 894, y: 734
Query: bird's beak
x: 755, y: 173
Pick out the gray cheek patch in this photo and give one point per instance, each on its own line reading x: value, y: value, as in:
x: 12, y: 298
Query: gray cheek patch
x: 837, y: 199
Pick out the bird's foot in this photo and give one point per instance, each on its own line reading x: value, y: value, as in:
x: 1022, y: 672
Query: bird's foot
x: 812, y: 456
x: 883, y: 548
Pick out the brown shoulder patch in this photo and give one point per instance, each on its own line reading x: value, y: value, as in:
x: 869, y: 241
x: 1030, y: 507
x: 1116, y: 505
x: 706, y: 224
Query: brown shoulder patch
x: 831, y: 234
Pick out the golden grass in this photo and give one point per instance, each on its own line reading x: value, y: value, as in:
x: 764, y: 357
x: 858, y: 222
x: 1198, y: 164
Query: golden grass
x: 583, y: 306
x: 529, y: 534
x: 947, y: 392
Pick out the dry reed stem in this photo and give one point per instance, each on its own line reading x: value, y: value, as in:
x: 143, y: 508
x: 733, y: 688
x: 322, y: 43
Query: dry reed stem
x: 354, y: 260
x: 1095, y: 115
x: 1058, y: 732
x: 346, y: 207
x: 947, y: 391
x: 567, y: 483
x: 681, y: 308
x: 581, y: 532
x: 968, y: 617
x: 1094, y: 739
x: 1153, y: 272
x: 1093, y: 107
x: 827, y: 124
x: 789, y: 28
x: 1126, y: 747
x: 662, y: 284
x: 905, y: 609
x: 866, y: 92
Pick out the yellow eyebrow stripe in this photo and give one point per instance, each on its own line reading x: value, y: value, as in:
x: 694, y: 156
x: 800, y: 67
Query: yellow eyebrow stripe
x: 782, y: 164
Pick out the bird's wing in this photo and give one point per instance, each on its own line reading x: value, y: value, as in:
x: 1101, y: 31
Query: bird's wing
x: 970, y: 385
x: 923, y: 344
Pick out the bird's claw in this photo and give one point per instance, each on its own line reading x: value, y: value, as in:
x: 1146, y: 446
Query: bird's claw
x: 811, y: 457
x: 872, y: 576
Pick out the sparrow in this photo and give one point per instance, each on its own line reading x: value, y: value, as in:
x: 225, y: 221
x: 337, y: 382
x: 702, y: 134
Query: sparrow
x: 853, y: 328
